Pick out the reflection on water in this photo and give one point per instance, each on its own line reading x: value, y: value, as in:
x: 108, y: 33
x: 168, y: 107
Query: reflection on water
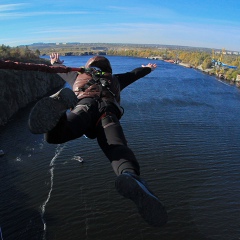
x: 184, y: 129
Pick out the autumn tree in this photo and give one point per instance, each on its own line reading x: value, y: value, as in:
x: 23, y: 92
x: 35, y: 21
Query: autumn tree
x: 207, y: 63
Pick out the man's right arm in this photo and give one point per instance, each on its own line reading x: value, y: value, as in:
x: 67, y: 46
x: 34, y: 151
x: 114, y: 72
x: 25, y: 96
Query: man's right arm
x: 69, y: 77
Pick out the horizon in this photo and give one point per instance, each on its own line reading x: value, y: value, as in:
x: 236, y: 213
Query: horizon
x: 59, y: 44
x: 209, y: 24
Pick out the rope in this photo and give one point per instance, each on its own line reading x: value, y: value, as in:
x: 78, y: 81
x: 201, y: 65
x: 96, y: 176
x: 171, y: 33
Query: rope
x: 37, y: 67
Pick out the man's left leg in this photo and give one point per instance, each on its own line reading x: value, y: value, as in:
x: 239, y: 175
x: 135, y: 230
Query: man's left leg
x: 128, y: 183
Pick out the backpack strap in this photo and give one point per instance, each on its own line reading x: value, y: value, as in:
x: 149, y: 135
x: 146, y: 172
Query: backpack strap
x: 97, y: 78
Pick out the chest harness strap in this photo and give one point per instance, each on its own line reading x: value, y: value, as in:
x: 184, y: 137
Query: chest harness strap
x: 97, y: 78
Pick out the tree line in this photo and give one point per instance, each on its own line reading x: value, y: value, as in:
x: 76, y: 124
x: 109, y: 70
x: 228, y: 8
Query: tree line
x: 194, y: 58
x: 20, y: 54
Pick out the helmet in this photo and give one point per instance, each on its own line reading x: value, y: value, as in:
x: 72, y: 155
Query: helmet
x: 99, y: 62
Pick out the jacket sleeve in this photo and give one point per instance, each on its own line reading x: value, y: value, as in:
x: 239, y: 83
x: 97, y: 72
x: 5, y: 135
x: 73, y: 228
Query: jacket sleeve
x: 128, y: 78
x: 69, y: 77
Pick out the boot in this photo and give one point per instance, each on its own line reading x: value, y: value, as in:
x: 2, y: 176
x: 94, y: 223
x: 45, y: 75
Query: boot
x: 47, y: 112
x: 149, y: 206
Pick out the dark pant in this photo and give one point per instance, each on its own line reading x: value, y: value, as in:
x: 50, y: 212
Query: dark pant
x: 97, y: 119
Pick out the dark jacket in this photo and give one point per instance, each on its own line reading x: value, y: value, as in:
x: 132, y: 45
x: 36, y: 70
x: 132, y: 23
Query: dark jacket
x: 117, y: 82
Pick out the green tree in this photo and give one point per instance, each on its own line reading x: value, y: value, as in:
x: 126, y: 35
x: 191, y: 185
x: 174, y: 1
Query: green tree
x: 37, y: 53
x: 207, y: 63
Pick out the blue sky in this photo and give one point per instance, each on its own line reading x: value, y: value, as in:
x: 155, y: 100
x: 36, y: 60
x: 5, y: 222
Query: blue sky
x: 197, y: 23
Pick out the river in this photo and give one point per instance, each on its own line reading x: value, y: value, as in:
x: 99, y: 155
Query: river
x: 184, y: 127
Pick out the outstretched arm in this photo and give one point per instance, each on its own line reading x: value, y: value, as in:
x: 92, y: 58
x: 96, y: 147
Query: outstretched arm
x: 128, y: 78
x: 54, y: 58
x: 69, y: 77
x: 151, y: 65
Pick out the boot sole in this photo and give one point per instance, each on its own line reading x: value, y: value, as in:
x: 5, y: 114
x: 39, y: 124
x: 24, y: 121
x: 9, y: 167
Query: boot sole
x: 67, y: 97
x: 149, y: 206
x: 48, y: 111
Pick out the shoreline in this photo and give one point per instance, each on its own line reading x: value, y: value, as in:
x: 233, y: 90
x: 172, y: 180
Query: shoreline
x: 207, y: 71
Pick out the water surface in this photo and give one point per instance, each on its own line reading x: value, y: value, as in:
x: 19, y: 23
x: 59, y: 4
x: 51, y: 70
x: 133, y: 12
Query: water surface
x: 184, y: 128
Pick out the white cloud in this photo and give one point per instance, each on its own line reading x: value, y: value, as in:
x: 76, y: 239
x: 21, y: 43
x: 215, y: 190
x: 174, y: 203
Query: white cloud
x: 35, y: 14
x: 11, y: 7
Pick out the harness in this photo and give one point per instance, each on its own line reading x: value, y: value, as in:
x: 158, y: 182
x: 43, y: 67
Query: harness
x: 103, y: 83
x: 97, y: 78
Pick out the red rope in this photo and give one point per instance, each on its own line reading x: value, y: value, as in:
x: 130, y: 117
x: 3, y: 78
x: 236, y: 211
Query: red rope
x: 37, y: 67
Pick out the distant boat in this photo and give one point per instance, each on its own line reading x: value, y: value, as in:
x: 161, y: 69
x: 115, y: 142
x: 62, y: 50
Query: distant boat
x: 169, y: 61
x: 1, y: 153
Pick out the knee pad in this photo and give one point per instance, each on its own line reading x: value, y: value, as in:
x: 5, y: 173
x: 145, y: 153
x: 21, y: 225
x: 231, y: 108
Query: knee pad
x: 112, y: 130
x: 80, y: 108
x: 109, y: 120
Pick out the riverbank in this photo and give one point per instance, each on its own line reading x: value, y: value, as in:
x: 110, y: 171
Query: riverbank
x: 209, y: 71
